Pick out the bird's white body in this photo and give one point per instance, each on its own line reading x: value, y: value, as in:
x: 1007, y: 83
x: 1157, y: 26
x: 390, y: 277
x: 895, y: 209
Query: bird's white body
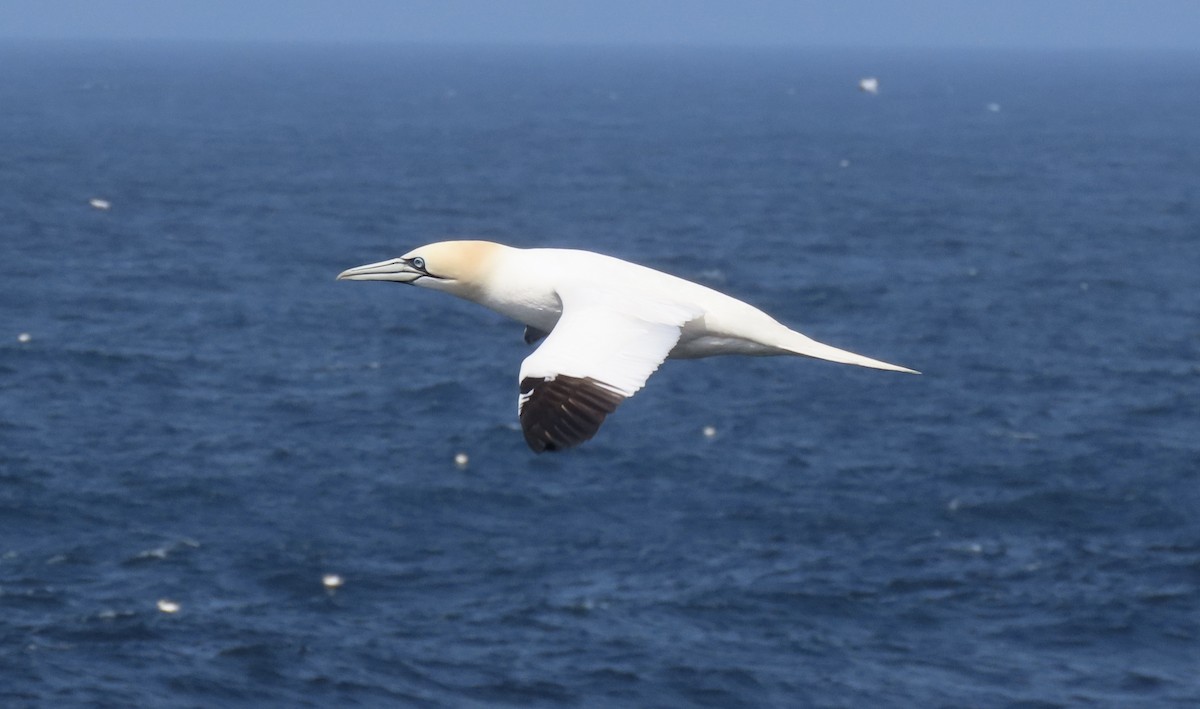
x: 610, y: 324
x: 526, y: 289
x: 526, y: 283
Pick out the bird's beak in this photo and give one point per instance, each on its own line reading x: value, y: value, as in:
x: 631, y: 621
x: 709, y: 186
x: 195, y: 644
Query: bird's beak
x: 397, y: 270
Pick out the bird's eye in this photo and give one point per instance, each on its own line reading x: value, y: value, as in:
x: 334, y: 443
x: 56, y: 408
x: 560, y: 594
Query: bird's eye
x: 418, y: 263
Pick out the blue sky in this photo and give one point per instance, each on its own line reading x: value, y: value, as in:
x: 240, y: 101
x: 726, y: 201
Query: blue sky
x: 1131, y: 24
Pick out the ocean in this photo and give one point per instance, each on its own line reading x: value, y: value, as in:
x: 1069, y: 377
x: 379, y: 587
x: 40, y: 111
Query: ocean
x: 198, y: 425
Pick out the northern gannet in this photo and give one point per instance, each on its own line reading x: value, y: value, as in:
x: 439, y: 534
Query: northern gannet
x: 608, y: 324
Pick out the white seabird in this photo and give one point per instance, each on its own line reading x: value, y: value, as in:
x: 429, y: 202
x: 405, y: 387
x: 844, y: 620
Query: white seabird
x: 869, y: 85
x: 608, y: 325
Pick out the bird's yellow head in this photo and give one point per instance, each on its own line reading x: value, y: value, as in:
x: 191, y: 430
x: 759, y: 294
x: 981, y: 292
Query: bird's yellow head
x: 458, y: 267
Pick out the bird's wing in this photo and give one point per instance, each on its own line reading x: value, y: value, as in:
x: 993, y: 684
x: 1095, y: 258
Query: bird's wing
x: 600, y: 353
x: 532, y: 334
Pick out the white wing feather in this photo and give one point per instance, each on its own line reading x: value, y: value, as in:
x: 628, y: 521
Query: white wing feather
x: 611, y: 338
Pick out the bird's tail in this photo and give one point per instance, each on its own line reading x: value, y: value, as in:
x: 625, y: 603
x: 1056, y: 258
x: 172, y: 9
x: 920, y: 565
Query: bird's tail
x: 802, y: 345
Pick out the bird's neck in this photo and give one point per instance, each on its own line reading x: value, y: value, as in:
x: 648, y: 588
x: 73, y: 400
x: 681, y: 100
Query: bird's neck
x: 519, y: 290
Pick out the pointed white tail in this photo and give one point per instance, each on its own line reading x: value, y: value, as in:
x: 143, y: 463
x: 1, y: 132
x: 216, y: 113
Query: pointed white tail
x: 809, y: 347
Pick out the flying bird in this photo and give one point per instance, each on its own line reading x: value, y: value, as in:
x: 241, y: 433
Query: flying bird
x: 608, y: 325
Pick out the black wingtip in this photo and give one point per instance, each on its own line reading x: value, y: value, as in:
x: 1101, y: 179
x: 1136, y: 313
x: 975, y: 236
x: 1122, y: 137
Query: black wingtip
x: 562, y: 412
x: 532, y: 334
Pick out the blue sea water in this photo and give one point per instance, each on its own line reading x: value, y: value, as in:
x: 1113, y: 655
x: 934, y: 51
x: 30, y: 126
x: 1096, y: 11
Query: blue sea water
x: 192, y: 409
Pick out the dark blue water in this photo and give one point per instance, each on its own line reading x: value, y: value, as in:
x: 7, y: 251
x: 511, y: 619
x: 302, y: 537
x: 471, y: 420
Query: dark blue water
x: 200, y: 413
